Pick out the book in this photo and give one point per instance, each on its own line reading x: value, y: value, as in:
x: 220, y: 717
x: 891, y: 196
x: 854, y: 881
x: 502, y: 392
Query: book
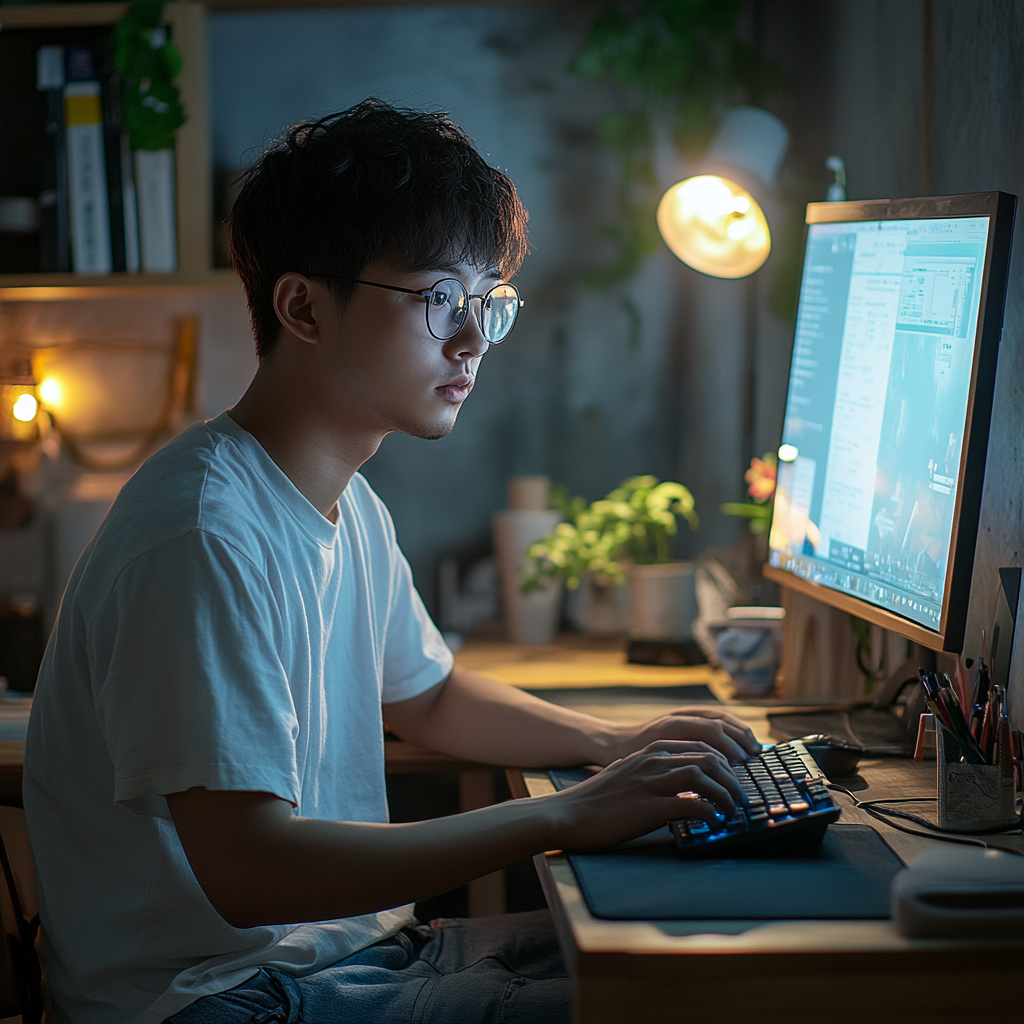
x: 87, y: 172
x: 54, y: 251
x: 110, y: 94
x: 131, y: 213
x: 154, y: 188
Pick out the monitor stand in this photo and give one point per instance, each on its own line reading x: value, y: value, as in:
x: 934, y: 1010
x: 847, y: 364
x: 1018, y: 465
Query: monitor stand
x: 885, y: 726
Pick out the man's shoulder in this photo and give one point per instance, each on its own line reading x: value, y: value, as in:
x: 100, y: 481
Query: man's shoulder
x: 200, y: 479
x: 200, y: 483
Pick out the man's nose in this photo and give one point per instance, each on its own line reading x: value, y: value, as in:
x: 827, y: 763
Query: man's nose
x: 470, y: 342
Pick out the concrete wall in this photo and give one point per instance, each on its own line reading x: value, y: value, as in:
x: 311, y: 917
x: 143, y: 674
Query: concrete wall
x: 567, y: 394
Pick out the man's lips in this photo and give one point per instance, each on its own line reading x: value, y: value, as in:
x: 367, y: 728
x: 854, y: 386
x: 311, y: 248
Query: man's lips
x: 456, y: 390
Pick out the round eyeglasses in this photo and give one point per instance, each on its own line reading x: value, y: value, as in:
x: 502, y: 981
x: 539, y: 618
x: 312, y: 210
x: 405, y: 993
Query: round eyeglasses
x: 448, y: 303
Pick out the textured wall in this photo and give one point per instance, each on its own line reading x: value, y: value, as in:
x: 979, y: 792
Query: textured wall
x: 567, y: 394
x: 877, y: 89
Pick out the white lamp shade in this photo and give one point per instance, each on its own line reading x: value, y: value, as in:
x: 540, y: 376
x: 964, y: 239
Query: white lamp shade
x: 752, y: 140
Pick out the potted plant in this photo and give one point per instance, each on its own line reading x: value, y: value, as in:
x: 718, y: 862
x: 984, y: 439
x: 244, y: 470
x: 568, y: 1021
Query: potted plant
x: 624, y: 535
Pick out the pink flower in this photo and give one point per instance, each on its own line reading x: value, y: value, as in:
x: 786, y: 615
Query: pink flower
x: 761, y: 478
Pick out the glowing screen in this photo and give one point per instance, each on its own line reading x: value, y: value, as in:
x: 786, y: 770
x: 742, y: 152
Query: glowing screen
x: 877, y: 408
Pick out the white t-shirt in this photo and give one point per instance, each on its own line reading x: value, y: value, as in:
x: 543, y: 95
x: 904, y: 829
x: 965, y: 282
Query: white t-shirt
x: 217, y: 631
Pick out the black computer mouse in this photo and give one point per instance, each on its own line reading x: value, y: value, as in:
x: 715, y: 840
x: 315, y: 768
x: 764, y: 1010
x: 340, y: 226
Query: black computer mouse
x: 835, y: 757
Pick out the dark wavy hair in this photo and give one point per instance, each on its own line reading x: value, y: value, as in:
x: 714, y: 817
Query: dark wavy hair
x: 374, y: 182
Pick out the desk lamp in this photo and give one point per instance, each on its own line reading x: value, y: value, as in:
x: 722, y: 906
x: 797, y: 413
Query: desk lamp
x: 18, y: 405
x: 713, y: 221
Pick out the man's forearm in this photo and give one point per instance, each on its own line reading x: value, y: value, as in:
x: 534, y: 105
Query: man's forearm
x: 260, y: 865
x: 479, y: 719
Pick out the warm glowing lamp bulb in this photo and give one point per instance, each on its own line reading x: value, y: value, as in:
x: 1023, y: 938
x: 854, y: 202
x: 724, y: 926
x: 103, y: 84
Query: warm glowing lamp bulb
x: 714, y: 226
x: 50, y: 392
x: 25, y: 407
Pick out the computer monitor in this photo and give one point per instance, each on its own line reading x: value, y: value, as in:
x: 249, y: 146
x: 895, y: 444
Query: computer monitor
x: 887, y: 415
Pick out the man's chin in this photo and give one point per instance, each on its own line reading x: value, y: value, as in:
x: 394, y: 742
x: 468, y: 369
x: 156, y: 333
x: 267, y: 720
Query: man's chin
x: 431, y: 432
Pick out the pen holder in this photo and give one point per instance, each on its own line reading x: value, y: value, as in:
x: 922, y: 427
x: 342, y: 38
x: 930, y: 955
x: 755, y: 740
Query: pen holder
x: 972, y: 797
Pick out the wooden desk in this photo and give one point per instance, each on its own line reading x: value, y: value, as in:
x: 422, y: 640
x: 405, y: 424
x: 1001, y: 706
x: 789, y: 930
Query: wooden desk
x: 797, y: 972
x: 576, y: 661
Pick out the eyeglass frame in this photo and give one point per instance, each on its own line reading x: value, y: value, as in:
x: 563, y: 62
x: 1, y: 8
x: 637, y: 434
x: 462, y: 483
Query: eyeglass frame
x: 426, y: 292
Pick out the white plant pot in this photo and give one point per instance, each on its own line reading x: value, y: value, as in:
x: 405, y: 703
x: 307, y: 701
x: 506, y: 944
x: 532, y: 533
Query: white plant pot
x: 599, y: 610
x: 529, y: 618
x: 663, y: 601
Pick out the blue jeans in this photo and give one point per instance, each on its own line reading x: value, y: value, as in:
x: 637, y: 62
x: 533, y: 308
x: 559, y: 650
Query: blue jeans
x: 486, y: 970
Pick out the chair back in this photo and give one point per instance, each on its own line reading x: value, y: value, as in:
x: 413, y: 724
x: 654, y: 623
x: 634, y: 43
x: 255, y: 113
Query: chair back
x: 20, y: 972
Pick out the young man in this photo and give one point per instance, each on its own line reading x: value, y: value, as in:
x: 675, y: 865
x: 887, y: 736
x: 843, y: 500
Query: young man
x: 204, y: 774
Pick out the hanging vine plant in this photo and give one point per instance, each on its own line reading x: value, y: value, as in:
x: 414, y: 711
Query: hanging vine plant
x: 148, y: 62
x: 679, y: 60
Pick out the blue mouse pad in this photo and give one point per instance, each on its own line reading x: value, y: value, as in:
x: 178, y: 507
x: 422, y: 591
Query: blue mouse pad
x: 646, y: 880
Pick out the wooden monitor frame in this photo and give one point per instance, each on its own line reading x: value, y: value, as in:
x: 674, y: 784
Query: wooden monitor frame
x: 1000, y: 208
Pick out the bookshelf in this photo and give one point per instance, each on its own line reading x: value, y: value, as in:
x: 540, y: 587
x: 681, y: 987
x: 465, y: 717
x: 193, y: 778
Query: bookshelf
x: 187, y: 21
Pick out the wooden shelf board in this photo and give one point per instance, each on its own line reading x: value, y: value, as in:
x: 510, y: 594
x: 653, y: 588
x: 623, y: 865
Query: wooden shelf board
x: 240, y: 6
x: 59, y: 15
x: 49, y: 15
x: 64, y: 287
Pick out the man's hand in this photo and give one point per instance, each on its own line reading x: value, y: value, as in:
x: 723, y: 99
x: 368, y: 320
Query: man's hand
x: 666, y: 781
x: 718, y: 729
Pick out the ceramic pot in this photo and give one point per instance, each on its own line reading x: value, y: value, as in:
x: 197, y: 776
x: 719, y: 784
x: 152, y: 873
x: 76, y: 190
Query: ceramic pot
x: 750, y: 654
x: 599, y: 608
x: 663, y: 601
x: 529, y: 618
x: 749, y: 647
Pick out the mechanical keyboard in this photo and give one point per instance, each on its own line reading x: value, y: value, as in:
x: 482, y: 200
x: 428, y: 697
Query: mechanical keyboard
x: 786, y: 810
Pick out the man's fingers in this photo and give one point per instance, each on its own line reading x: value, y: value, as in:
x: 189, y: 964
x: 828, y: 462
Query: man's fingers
x: 736, y: 727
x: 703, y: 773
x: 691, y: 805
x: 693, y: 779
x: 743, y: 737
x: 683, y: 747
x: 723, y: 776
x: 713, y: 733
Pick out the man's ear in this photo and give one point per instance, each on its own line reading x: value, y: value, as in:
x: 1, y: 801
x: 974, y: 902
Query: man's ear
x: 295, y: 304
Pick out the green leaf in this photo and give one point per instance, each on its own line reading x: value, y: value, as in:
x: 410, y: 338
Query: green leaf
x: 748, y: 509
x: 151, y: 108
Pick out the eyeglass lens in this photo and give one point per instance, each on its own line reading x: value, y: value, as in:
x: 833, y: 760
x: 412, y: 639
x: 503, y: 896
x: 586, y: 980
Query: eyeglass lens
x: 448, y: 307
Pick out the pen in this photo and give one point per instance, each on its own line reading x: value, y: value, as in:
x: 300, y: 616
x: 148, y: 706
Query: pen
x: 942, y: 703
x: 988, y: 724
x: 962, y: 690
x: 979, y: 699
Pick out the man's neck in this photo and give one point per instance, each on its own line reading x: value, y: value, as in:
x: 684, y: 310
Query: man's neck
x: 318, y: 456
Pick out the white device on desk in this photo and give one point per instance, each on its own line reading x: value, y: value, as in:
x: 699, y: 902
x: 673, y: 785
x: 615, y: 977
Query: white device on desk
x: 960, y: 892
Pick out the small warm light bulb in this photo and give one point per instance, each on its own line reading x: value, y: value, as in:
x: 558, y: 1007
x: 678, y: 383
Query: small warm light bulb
x: 714, y: 226
x: 25, y: 408
x: 788, y: 452
x: 50, y: 392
